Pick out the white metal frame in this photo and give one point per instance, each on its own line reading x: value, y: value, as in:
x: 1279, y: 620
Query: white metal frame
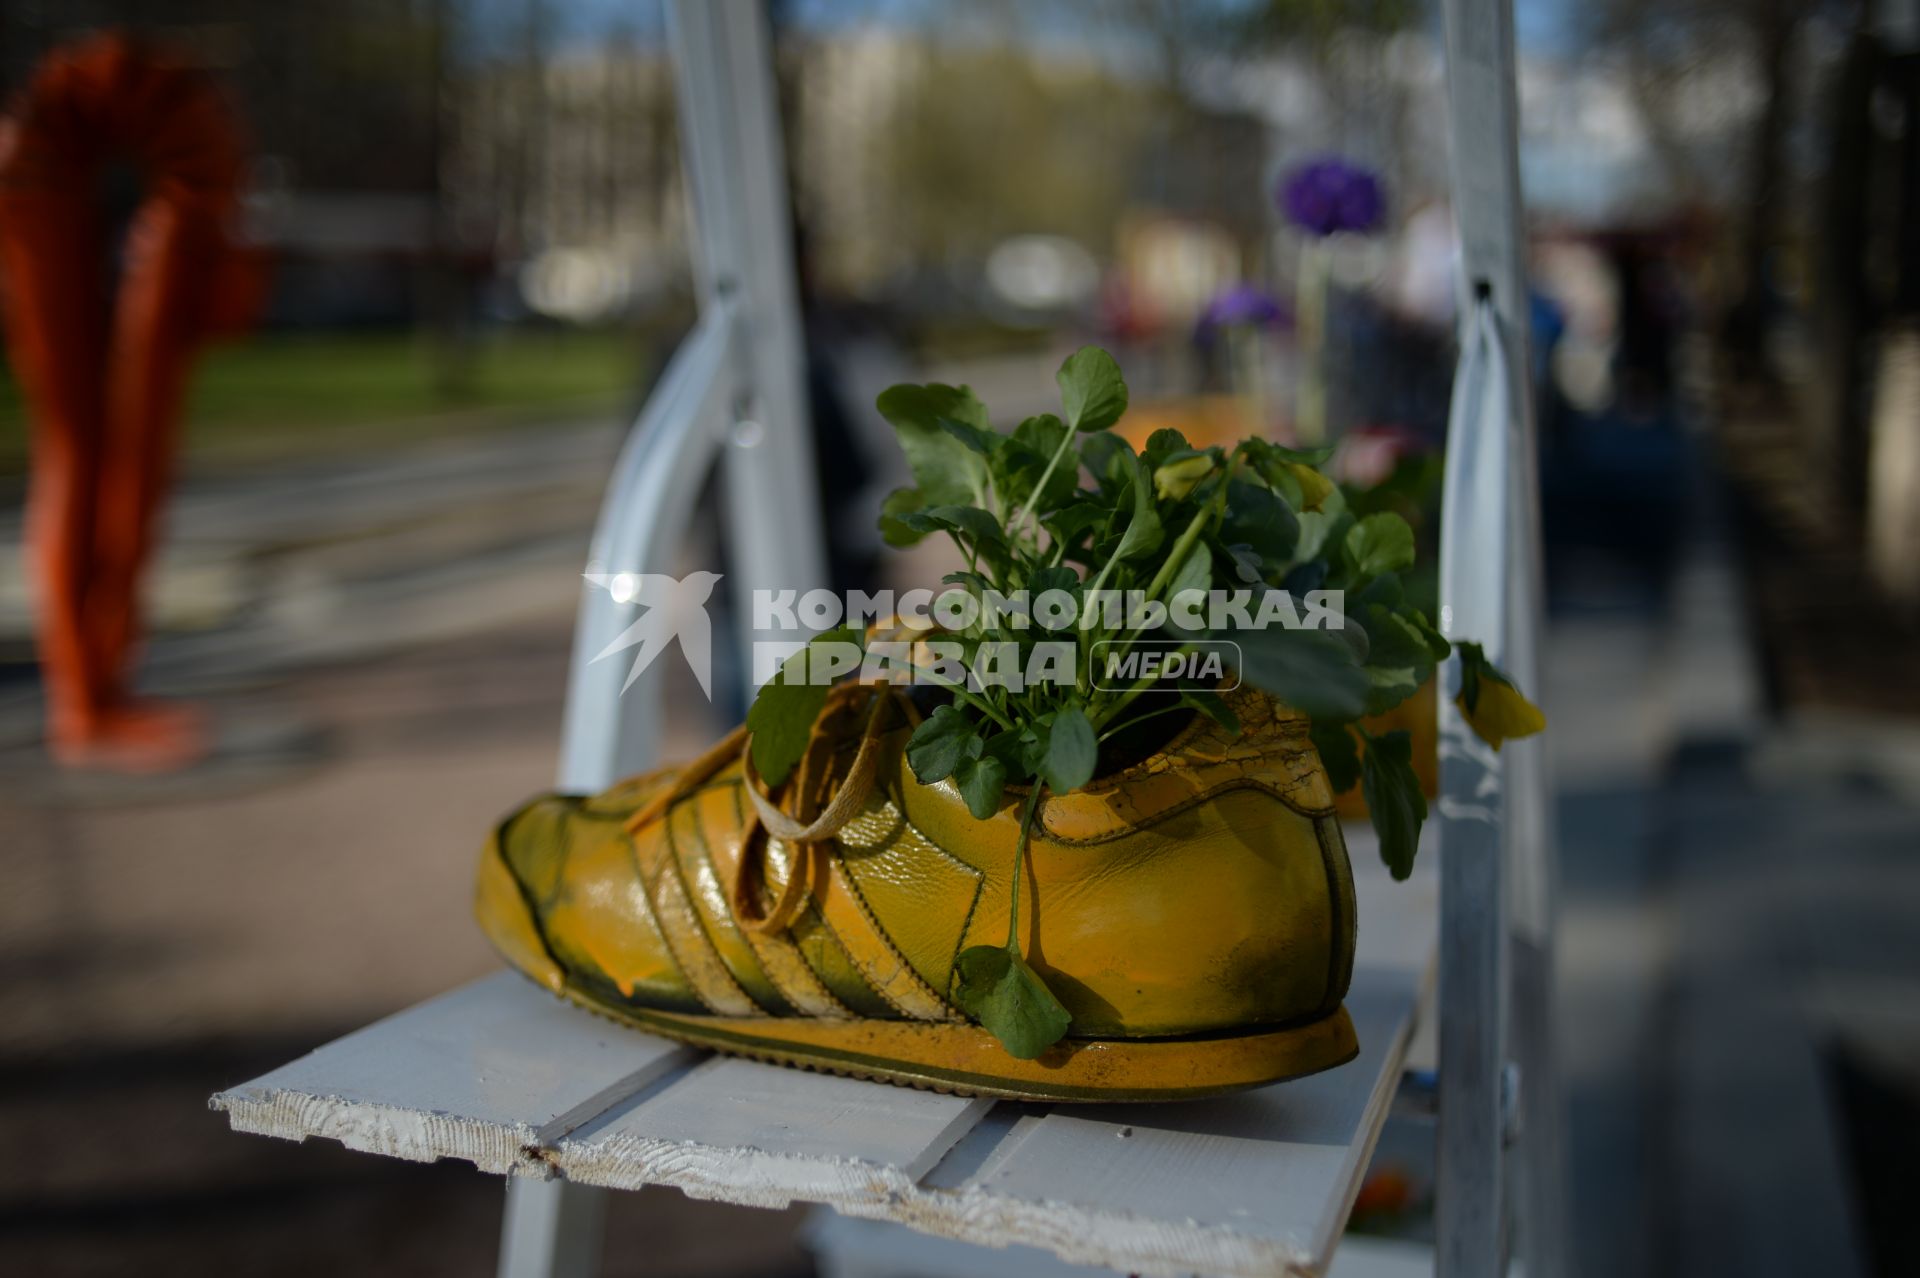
x: 734, y: 392
x: 1497, y: 864
x: 736, y: 388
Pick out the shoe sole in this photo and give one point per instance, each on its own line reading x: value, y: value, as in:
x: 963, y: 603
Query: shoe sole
x: 965, y: 1060
x: 958, y: 1058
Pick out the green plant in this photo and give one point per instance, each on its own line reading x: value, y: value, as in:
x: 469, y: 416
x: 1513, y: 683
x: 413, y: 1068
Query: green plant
x: 1165, y: 522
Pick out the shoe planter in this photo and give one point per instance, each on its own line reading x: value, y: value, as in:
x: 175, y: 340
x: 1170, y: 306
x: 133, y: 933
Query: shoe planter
x: 1194, y: 913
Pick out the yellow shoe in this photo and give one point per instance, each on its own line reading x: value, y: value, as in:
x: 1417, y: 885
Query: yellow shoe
x: 1194, y: 912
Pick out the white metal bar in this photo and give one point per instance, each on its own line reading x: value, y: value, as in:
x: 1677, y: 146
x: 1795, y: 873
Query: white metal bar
x: 551, y: 1229
x: 1470, y: 1198
x: 1498, y: 872
x: 739, y: 377
x: 730, y: 126
x: 606, y: 733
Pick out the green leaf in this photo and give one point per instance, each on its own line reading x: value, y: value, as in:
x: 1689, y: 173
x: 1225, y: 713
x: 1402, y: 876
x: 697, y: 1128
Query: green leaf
x: 1394, y: 799
x: 1266, y: 452
x: 1092, y: 392
x: 1388, y: 686
x: 998, y: 989
x: 1144, y: 533
x: 1384, y: 590
x: 899, y: 502
x: 1380, y: 543
x: 971, y: 522
x: 1032, y: 746
x: 946, y: 471
x: 1195, y: 573
x: 1069, y: 521
x: 1214, y: 706
x: 1339, y: 754
x: 981, y: 783
x: 781, y: 717
x: 1247, y: 566
x: 984, y: 442
x: 1314, y: 671
x: 1107, y: 460
x: 1437, y: 646
x: 1005, y: 746
x: 1053, y: 577
x: 1282, y: 481
x: 1321, y: 530
x: 1257, y: 517
x: 1400, y: 651
x: 944, y: 740
x: 1395, y: 642
x: 1072, y: 751
x: 1163, y: 445
x: 1023, y: 458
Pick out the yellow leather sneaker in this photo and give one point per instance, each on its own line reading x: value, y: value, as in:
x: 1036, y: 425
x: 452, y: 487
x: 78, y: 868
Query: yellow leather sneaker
x: 1194, y: 912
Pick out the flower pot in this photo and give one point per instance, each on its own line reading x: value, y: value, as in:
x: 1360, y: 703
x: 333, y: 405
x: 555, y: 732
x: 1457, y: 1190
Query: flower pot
x: 1193, y: 912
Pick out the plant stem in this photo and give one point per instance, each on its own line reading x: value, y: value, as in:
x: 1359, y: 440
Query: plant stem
x: 1033, y: 498
x: 1086, y: 596
x: 1020, y: 864
x: 1310, y: 410
x: 1215, y: 506
x: 959, y: 690
x: 1151, y: 714
x: 1100, y: 718
x: 1195, y: 527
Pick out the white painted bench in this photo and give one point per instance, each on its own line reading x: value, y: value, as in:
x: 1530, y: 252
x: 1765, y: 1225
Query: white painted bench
x: 502, y: 1074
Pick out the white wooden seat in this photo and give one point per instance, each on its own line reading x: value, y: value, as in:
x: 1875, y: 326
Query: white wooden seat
x: 502, y: 1074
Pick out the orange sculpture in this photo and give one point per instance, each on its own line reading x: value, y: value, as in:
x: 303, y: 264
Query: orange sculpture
x: 104, y: 368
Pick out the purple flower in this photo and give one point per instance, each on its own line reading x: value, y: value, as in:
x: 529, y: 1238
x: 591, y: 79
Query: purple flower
x: 1329, y: 195
x: 1243, y: 304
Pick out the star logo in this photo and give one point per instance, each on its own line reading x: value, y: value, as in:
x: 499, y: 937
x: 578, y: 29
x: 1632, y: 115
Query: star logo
x: 671, y: 608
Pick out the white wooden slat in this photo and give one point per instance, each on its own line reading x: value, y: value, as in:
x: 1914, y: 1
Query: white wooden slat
x: 493, y: 1072
x: 1257, y: 1183
x: 763, y: 1135
x: 1361, y: 1257
x: 849, y: 1248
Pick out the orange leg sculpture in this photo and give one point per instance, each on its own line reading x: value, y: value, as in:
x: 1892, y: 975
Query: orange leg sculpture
x: 105, y: 378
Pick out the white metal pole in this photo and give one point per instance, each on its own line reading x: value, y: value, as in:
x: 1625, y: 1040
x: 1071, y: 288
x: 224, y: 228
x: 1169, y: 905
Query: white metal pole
x: 730, y: 126
x: 552, y: 1229
x: 739, y: 379
x: 1496, y: 827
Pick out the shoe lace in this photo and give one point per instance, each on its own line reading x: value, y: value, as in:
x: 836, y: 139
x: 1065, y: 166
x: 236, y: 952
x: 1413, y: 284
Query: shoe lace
x: 812, y: 806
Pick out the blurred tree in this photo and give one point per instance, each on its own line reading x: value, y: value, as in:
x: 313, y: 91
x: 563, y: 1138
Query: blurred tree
x: 1671, y: 49
x: 1315, y: 23
x: 971, y: 122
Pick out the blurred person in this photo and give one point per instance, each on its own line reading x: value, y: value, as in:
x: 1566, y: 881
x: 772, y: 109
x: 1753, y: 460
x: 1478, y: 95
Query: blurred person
x: 104, y: 362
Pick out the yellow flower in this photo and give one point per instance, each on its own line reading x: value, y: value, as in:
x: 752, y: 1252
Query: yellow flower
x: 1314, y: 486
x: 1502, y: 714
x: 1176, y: 479
x: 1497, y: 711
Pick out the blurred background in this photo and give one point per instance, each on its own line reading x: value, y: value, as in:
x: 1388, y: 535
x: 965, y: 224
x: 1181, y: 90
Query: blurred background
x: 477, y: 234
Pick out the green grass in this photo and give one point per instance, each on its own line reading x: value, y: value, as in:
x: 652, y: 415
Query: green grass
x: 282, y: 395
